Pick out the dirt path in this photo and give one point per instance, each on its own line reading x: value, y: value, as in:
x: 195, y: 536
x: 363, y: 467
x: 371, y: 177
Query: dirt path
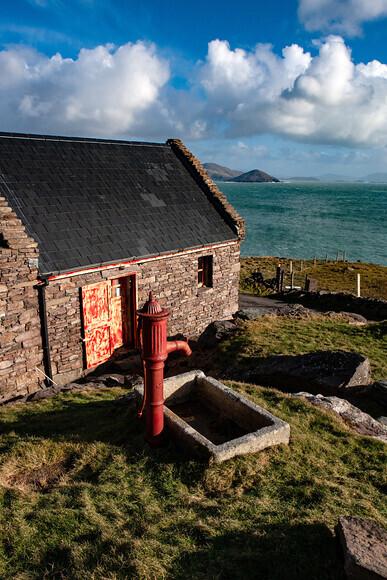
x: 262, y: 305
x: 248, y: 301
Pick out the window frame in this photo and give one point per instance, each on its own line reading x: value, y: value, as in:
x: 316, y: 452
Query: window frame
x: 204, y: 272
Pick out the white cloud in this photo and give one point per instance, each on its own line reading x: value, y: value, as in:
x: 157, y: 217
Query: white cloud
x: 325, y: 99
x: 228, y: 75
x: 340, y: 16
x: 126, y: 92
x: 105, y: 91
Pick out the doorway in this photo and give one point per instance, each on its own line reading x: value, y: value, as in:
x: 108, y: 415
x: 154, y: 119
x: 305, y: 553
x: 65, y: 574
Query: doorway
x: 108, y: 312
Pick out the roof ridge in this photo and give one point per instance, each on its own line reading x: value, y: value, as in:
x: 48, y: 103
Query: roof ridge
x: 209, y: 187
x: 68, y: 139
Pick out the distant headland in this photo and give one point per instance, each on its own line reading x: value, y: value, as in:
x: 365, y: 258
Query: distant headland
x: 220, y: 173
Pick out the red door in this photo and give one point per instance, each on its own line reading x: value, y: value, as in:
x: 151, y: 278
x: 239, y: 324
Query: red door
x: 96, y: 323
x: 108, y: 315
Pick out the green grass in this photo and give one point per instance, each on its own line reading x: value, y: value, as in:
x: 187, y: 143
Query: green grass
x: 82, y: 496
x: 332, y: 277
x: 271, y: 335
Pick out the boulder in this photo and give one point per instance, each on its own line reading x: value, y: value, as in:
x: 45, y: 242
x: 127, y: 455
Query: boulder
x: 361, y: 422
x: 357, y: 318
x: 318, y: 372
x: 217, y: 331
x: 295, y: 311
x: 82, y: 386
x: 128, y: 400
x: 378, y: 391
x: 365, y: 548
x: 110, y: 379
x: 256, y: 312
x: 133, y: 381
x: 43, y: 394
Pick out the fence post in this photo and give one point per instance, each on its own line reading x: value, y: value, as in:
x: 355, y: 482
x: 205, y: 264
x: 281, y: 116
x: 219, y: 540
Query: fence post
x: 290, y: 266
x: 344, y: 254
x: 291, y: 280
x: 358, y: 286
x: 326, y: 258
x: 314, y: 261
x: 278, y: 277
x: 301, y: 264
x: 282, y: 280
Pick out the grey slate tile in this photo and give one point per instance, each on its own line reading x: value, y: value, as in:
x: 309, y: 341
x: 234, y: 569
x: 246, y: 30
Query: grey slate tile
x: 86, y: 194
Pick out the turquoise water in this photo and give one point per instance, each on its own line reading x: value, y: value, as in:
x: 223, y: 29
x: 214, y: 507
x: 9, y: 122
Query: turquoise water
x: 302, y: 220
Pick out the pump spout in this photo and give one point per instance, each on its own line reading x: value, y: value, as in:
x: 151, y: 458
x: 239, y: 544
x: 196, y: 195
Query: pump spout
x: 173, y: 345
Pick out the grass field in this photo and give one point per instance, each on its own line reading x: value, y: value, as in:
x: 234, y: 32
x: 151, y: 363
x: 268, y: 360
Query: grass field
x: 82, y: 496
x: 277, y: 335
x: 333, y: 277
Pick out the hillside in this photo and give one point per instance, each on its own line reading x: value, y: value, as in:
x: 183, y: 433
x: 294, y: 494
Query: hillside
x: 376, y: 177
x: 220, y: 173
x: 301, y: 179
x: 255, y: 176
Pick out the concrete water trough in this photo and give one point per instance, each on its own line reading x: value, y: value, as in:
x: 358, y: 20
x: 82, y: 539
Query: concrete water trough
x: 214, y: 422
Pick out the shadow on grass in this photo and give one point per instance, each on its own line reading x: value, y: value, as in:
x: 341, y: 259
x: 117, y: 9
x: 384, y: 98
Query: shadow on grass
x: 72, y: 418
x: 76, y: 419
x: 277, y: 551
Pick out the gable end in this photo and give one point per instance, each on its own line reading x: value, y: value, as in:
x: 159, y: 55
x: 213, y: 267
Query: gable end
x: 218, y: 199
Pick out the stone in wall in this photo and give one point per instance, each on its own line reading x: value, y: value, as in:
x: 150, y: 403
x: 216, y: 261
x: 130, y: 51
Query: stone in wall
x: 20, y: 339
x: 174, y: 283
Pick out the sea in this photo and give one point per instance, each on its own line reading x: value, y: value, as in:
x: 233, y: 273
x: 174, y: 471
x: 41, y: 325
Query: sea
x: 302, y: 220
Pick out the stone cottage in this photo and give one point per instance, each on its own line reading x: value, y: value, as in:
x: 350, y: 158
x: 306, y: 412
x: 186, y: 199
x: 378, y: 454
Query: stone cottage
x: 87, y: 228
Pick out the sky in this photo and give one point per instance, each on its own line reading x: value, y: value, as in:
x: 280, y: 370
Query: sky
x: 291, y: 87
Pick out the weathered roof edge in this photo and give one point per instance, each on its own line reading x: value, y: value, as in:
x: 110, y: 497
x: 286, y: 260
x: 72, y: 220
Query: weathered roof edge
x: 69, y: 139
x: 201, y: 177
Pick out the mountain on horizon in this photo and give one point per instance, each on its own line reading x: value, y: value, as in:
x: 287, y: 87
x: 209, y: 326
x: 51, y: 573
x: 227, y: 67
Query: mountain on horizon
x: 335, y: 177
x: 376, y: 177
x: 255, y: 176
x: 220, y: 173
x: 300, y: 179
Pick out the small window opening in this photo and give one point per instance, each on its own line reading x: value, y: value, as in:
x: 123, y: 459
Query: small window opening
x: 116, y: 290
x: 205, y: 271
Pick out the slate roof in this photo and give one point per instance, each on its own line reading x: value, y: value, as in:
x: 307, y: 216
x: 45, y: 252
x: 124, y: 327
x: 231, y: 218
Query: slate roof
x: 90, y: 202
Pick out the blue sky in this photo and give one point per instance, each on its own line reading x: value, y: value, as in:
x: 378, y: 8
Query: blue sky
x: 292, y: 87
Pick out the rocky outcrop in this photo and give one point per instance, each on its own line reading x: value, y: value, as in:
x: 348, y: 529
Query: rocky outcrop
x: 217, y: 331
x: 92, y: 382
x: 318, y: 372
x: 365, y: 548
x: 361, y: 422
x: 378, y: 391
x: 370, y: 308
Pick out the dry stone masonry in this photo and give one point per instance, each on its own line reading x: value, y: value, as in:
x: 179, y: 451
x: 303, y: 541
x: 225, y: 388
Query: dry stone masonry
x: 20, y: 338
x: 112, y: 209
x: 174, y: 282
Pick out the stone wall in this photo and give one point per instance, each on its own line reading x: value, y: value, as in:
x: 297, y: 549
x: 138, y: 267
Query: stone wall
x: 371, y: 308
x: 20, y: 334
x: 174, y: 283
